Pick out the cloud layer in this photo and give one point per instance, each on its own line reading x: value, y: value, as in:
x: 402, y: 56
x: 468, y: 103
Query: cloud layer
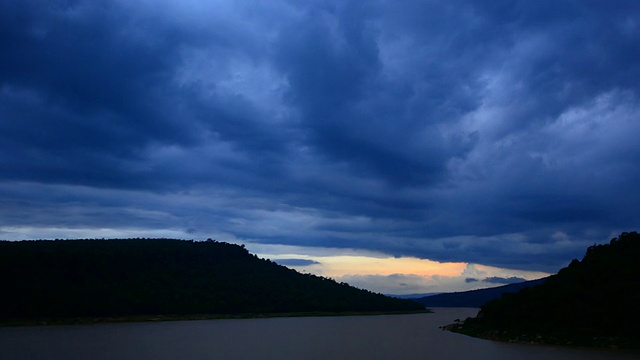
x: 498, y: 133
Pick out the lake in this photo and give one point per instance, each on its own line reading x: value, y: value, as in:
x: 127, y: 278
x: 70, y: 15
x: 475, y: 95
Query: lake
x: 414, y: 336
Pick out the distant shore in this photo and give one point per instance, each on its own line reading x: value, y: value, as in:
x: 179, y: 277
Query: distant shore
x: 190, y: 317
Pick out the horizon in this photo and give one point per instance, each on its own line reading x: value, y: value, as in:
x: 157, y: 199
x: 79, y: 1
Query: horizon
x: 340, y: 268
x: 406, y: 147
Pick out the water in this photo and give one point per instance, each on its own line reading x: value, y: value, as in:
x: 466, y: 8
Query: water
x: 358, y: 337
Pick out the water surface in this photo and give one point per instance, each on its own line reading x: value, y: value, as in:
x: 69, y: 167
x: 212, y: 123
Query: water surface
x: 415, y: 336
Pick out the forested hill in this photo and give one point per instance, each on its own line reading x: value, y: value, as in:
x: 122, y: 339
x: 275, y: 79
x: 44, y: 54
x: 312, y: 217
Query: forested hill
x: 593, y: 302
x: 136, y: 277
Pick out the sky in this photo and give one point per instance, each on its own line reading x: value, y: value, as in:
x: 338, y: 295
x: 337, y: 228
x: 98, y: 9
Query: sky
x: 401, y: 146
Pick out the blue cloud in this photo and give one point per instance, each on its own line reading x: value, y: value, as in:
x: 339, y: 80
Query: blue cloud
x: 492, y: 133
x: 296, y: 262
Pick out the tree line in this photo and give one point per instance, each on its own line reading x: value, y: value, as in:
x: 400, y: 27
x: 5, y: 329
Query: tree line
x: 592, y: 302
x: 133, y: 277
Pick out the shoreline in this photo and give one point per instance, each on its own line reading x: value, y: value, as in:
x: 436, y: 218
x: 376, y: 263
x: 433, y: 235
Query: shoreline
x: 191, y: 317
x: 560, y: 338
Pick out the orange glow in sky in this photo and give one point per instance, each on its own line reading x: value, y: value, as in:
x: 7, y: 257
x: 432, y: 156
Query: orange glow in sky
x: 340, y: 265
x: 393, y: 275
x: 336, y: 266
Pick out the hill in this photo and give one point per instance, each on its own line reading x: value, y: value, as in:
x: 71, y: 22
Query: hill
x: 474, y: 298
x: 593, y: 302
x: 65, y: 279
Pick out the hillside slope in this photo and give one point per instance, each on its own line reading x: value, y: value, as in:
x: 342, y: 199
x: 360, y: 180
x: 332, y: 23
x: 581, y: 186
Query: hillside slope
x: 132, y: 277
x: 593, y: 302
x: 474, y: 298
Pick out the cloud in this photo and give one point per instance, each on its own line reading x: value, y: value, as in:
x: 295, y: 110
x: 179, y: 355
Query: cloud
x: 468, y: 132
x: 297, y: 262
x: 400, y: 284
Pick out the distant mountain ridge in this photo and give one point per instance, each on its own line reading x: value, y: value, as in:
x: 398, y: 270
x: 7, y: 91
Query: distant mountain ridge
x: 133, y: 277
x: 474, y: 298
x: 592, y: 302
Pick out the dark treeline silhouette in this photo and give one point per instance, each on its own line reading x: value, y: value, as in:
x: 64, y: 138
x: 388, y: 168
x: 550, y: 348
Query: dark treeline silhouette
x: 132, y: 277
x: 593, y: 302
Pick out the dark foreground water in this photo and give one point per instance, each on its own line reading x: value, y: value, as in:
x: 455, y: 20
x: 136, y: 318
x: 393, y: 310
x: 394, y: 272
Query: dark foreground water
x: 356, y: 337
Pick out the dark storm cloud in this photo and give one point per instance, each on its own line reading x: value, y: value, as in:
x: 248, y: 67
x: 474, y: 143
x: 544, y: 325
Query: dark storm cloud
x: 501, y: 133
x: 80, y: 92
x: 353, y: 112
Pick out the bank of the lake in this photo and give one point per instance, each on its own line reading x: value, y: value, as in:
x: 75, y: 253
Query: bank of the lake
x: 592, y: 302
x: 193, y: 317
x: 414, y: 336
